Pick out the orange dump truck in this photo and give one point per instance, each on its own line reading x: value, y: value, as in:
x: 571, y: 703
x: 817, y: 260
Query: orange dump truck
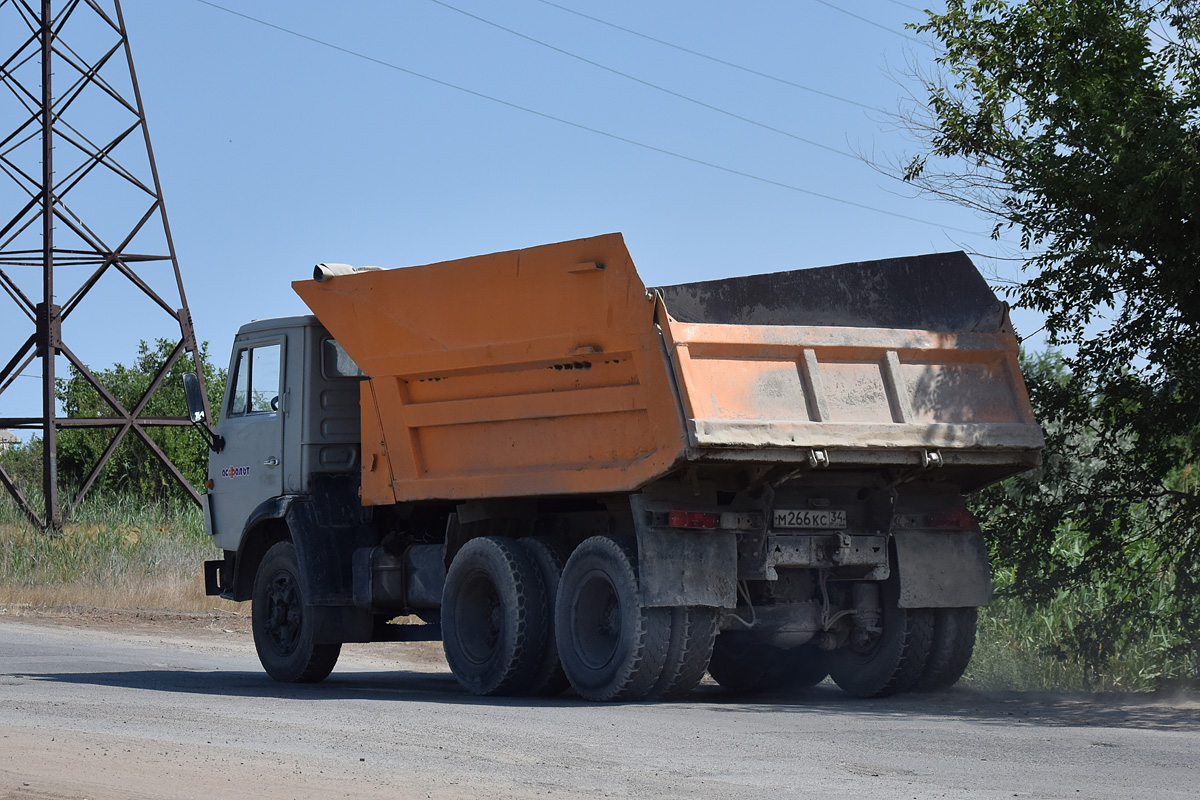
x: 576, y: 481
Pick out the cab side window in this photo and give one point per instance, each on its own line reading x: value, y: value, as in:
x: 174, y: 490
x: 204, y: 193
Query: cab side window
x: 256, y: 384
x: 336, y: 362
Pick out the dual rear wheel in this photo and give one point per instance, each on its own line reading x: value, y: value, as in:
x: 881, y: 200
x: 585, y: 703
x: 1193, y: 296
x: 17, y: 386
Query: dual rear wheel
x: 918, y: 649
x: 501, y: 636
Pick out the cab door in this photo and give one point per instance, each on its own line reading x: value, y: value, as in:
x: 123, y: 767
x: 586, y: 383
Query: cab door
x: 250, y: 468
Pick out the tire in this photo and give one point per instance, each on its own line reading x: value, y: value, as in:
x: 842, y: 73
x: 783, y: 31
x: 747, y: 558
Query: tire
x: 739, y: 666
x: 493, y: 616
x: 693, y: 634
x: 895, y: 660
x: 548, y: 678
x: 950, y: 653
x: 747, y: 667
x: 612, y: 649
x: 799, y: 668
x: 282, y: 621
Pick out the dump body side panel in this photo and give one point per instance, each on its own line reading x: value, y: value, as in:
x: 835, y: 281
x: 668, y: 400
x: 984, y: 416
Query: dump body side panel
x: 903, y: 362
x: 850, y: 387
x: 531, y: 372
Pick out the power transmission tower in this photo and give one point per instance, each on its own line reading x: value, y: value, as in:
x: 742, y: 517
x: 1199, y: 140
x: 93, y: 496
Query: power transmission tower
x: 84, y: 178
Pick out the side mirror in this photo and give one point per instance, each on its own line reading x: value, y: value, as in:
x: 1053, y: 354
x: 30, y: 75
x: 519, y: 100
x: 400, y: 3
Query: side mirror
x: 195, y: 398
x: 195, y: 405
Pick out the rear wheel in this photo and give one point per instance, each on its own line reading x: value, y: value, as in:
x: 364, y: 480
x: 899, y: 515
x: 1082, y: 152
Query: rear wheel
x: 548, y: 677
x: 748, y: 667
x: 283, y: 623
x: 493, y: 616
x: 611, y: 647
x: 693, y: 633
x: 892, y: 660
x: 953, y: 644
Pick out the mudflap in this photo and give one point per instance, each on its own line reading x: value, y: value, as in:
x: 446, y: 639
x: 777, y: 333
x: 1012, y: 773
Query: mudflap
x: 683, y: 567
x: 325, y: 553
x: 943, y: 569
x: 688, y: 568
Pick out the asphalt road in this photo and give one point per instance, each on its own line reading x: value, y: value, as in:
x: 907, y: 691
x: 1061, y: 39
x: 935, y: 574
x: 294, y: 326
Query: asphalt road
x: 102, y: 710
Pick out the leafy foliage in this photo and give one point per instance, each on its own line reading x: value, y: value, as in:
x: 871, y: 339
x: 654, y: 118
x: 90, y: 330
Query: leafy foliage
x: 1096, y: 541
x: 133, y: 472
x: 1076, y: 123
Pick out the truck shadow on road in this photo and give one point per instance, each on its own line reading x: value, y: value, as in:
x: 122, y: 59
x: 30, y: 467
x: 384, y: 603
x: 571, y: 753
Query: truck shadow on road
x: 1175, y: 712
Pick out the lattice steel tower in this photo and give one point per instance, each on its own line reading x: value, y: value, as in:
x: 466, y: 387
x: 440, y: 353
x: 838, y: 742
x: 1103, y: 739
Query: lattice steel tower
x: 84, y: 182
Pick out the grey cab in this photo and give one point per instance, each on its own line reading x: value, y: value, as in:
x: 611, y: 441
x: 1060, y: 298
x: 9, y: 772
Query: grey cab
x: 280, y: 435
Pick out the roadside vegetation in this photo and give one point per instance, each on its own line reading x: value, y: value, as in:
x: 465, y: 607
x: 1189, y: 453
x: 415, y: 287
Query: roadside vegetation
x: 1074, y: 125
x: 136, y: 540
x: 114, y: 553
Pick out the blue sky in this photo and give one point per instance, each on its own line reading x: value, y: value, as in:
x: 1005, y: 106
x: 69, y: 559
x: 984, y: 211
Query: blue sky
x: 276, y: 152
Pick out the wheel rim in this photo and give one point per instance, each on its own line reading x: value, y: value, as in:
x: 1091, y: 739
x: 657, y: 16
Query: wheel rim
x: 285, y: 613
x: 479, y: 617
x: 596, y: 620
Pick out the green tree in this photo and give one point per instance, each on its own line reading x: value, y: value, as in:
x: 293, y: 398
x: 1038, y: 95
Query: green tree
x: 133, y: 470
x: 1076, y: 124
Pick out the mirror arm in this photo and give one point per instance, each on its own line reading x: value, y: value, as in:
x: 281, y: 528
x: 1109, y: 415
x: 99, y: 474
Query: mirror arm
x: 196, y: 411
x: 215, y: 443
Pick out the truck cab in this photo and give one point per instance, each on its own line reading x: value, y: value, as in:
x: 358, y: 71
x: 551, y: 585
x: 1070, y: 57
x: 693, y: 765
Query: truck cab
x: 289, y: 422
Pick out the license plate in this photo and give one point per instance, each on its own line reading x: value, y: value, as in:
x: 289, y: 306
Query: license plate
x: 828, y: 519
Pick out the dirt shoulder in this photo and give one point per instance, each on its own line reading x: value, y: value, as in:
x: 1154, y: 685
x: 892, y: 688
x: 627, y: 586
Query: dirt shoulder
x: 213, y: 625
x: 148, y: 618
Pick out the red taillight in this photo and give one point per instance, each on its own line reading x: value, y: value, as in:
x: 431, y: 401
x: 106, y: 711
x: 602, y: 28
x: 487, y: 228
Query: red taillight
x: 693, y: 519
x: 961, y: 520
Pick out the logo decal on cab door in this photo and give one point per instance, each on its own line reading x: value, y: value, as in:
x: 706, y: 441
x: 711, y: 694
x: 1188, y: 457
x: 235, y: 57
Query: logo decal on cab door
x: 235, y: 472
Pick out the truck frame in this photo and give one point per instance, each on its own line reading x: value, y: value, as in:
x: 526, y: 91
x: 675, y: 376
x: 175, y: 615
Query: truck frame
x: 574, y: 481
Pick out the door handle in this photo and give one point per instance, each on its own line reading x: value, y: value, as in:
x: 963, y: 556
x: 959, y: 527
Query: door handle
x: 271, y: 462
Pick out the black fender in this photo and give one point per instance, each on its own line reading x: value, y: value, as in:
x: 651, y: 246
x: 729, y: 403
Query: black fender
x: 264, y: 527
x: 325, y: 553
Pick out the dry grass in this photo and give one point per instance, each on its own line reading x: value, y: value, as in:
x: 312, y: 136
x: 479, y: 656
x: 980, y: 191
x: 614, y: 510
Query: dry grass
x: 114, y: 555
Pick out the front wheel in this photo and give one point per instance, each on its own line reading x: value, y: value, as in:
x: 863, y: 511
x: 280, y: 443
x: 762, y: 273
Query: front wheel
x: 611, y: 647
x: 283, y: 622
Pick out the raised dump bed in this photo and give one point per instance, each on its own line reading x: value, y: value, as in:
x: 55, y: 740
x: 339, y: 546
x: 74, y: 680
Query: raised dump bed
x: 554, y: 371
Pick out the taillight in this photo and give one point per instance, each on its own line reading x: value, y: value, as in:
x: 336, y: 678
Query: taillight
x: 693, y: 519
x: 959, y: 520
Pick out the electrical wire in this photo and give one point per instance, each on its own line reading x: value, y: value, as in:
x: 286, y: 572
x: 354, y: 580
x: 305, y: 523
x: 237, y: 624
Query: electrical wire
x: 869, y: 21
x: 714, y: 59
x: 655, y: 86
x: 906, y: 5
x: 589, y: 129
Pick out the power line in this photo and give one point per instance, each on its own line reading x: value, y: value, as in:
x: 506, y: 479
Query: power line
x: 582, y: 127
x: 655, y: 86
x: 906, y: 5
x: 869, y: 21
x: 714, y: 59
